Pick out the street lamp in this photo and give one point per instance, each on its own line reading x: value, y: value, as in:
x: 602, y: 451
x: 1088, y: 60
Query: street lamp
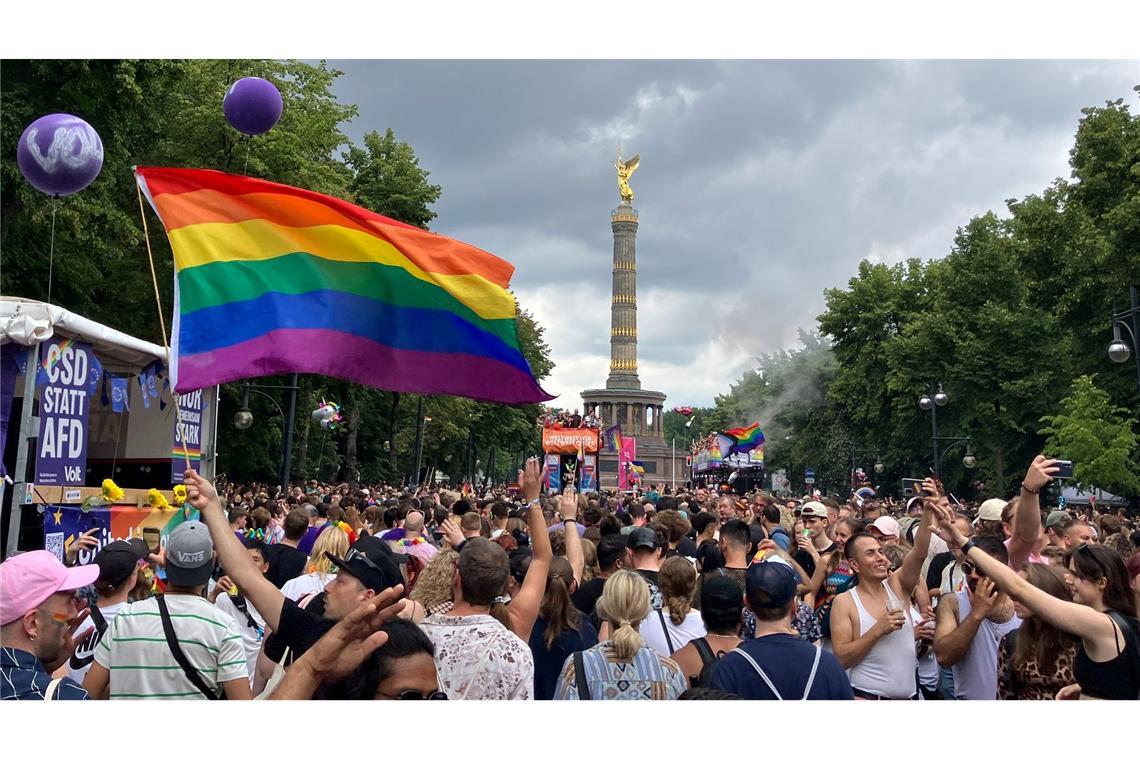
x: 243, y: 420
x: 879, y: 466
x: 1118, y: 350
x: 926, y: 404
x: 969, y: 461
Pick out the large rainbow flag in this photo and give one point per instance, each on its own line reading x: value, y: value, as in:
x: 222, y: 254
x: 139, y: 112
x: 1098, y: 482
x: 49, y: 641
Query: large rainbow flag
x: 272, y: 279
x: 746, y: 438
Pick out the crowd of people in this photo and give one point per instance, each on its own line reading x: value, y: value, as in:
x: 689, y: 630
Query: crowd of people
x: 348, y: 592
x: 563, y: 418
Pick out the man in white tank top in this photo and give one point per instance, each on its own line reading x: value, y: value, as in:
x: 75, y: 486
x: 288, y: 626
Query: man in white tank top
x: 871, y: 633
x: 971, y: 624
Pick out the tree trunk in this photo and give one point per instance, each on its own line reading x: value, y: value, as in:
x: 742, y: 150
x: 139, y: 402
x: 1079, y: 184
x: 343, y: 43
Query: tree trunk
x: 999, y: 454
x: 393, y: 464
x: 350, y: 461
x: 305, y: 423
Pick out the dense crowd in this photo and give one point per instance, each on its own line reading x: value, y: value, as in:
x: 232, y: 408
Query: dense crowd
x: 345, y: 592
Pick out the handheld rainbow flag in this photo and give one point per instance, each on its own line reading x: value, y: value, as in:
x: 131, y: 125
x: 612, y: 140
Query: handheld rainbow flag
x: 746, y: 438
x: 272, y: 279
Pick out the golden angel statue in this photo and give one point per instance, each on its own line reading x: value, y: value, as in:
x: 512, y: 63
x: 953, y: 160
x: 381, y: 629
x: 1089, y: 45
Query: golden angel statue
x: 625, y: 170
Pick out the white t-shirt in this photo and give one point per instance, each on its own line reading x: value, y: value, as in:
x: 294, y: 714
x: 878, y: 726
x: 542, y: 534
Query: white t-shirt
x: 251, y: 635
x: 80, y: 661
x: 139, y: 659
x: 303, y: 585
x: 692, y: 627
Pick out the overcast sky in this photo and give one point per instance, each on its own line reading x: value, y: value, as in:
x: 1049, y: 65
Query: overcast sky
x: 761, y: 183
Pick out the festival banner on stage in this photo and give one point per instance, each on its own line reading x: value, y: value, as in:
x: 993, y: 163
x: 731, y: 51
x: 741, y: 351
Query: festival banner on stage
x: 626, y: 456
x: 590, y: 473
x: 569, y: 440
x: 188, y: 434
x: 69, y: 373
x: 553, y: 473
x: 64, y: 523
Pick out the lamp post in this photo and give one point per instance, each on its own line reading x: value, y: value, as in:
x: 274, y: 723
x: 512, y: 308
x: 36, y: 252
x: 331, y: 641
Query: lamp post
x: 969, y: 461
x: 1118, y: 350
x: 929, y: 403
x: 243, y: 419
x: 421, y: 423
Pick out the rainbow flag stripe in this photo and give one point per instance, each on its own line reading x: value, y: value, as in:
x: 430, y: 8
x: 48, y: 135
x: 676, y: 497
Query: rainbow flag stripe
x: 272, y: 279
x: 747, y: 438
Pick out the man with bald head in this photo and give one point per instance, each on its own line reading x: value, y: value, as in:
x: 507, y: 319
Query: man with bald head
x: 413, y: 540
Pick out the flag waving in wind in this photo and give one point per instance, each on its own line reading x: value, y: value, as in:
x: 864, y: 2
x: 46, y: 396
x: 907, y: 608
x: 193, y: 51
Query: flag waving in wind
x: 272, y: 279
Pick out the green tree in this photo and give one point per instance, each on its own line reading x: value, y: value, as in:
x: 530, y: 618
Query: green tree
x: 387, y: 178
x: 1098, y: 437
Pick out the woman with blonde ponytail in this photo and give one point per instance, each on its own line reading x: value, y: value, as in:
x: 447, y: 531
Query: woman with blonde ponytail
x: 624, y: 666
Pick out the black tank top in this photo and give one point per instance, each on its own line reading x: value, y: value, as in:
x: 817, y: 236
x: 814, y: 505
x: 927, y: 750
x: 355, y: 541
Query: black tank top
x: 1113, y: 679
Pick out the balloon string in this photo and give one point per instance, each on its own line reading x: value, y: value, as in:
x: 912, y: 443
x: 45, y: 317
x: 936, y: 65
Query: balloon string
x: 161, y: 320
x: 51, y: 244
x: 245, y: 168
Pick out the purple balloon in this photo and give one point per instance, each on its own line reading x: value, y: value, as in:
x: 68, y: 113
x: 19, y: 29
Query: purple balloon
x: 252, y: 105
x: 60, y: 154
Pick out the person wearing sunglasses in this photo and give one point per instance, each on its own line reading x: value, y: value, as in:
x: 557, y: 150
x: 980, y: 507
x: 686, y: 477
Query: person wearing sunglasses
x: 1107, y: 665
x: 971, y: 623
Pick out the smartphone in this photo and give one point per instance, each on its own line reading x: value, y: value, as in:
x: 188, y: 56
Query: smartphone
x: 1064, y: 469
x: 153, y: 538
x: 913, y: 485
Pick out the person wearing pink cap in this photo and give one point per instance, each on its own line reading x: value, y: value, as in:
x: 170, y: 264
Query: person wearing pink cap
x: 886, y: 529
x: 38, y: 617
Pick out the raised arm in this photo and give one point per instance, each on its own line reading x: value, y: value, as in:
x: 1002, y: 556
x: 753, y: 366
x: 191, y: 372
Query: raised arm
x: 262, y: 594
x: 911, y: 570
x: 1074, y: 618
x: 523, y: 609
x: 1027, y: 530
x: 568, y: 508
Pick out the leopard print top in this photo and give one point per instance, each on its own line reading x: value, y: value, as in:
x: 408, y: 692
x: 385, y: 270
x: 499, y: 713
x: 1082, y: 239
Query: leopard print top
x: 1035, y: 681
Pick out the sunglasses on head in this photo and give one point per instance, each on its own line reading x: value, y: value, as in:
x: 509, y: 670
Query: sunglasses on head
x: 969, y: 568
x: 1086, y: 551
x: 352, y: 554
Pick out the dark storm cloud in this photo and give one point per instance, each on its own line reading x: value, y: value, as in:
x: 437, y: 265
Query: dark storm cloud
x: 762, y: 182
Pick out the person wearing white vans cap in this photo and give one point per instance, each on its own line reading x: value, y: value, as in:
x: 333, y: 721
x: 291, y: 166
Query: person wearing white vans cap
x: 177, y: 645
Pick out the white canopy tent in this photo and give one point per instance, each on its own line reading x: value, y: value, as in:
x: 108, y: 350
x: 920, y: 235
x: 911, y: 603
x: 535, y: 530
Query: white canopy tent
x: 29, y: 323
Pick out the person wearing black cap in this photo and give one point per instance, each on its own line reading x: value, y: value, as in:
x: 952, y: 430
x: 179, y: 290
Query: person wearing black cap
x: 792, y: 668
x: 647, y: 548
x: 367, y: 569
x: 118, y: 564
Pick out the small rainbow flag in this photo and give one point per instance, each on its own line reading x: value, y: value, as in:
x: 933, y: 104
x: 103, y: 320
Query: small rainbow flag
x: 747, y: 438
x: 272, y: 279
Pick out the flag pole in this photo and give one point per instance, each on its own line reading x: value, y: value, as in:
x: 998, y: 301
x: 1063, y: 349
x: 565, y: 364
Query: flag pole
x: 161, y: 321
x: 673, y: 467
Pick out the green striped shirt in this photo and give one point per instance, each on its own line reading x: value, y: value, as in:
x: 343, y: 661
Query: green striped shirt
x: 139, y: 659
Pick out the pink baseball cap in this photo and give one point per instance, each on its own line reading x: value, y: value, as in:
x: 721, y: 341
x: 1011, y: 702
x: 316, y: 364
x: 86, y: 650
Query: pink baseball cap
x: 887, y: 526
x: 28, y: 579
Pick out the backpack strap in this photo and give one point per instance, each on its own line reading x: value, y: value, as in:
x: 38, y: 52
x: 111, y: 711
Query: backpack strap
x: 763, y: 676
x: 52, y: 689
x: 243, y: 605
x: 814, y: 668
x: 172, y: 642
x: 580, y: 676
x: 665, y: 630
x: 704, y: 650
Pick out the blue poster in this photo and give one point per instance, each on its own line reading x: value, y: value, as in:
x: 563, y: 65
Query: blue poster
x: 70, y: 374
x: 553, y: 473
